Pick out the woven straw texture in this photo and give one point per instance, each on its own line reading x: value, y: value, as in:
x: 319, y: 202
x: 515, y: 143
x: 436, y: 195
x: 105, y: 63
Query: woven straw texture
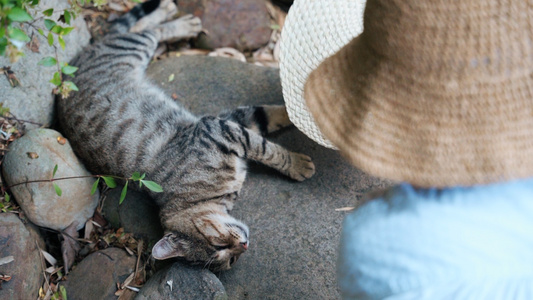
x: 435, y: 93
x: 313, y: 30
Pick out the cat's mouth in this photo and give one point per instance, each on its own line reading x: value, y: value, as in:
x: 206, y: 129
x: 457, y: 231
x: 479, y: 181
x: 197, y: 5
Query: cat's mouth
x: 233, y: 260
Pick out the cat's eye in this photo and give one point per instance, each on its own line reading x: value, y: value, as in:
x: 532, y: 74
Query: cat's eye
x: 220, y: 247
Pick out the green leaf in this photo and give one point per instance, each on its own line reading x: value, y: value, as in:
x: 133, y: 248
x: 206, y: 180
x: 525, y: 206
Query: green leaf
x: 137, y: 176
x: 48, y: 62
x: 56, y: 29
x: 50, y: 39
x: 49, y: 24
x: 48, y: 12
x: 58, y: 190
x: 34, y: 2
x: 110, y: 181
x: 18, y: 14
x: 55, y: 170
x: 17, y: 34
x: 66, y: 30
x: 3, y: 45
x: 63, y: 292
x: 123, y: 193
x: 71, y: 86
x: 152, y: 186
x: 41, y: 32
x: 95, y: 186
x: 57, y: 79
x: 68, y: 70
x: 61, y: 42
x: 7, y: 197
x: 2, y: 32
x: 67, y: 16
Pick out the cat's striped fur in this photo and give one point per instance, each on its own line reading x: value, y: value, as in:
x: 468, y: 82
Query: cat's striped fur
x: 120, y: 123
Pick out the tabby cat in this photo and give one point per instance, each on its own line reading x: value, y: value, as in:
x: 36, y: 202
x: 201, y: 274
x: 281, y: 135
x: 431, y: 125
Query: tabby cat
x: 120, y: 123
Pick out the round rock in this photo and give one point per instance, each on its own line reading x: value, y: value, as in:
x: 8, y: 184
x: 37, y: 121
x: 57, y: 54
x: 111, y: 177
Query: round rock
x: 96, y: 276
x: 137, y: 214
x: 33, y: 157
x: 184, y: 282
x: 20, y: 242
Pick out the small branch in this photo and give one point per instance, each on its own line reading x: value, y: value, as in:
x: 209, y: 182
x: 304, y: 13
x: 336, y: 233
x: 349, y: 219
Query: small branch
x: 63, y: 178
x: 22, y: 121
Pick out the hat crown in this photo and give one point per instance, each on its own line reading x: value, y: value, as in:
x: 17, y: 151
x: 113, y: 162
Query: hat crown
x: 469, y: 38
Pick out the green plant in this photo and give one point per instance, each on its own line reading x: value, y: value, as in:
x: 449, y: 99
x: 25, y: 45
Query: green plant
x: 109, y: 181
x: 15, y: 13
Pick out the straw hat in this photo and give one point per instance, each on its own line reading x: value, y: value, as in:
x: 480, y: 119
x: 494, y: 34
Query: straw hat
x: 313, y: 30
x: 435, y: 93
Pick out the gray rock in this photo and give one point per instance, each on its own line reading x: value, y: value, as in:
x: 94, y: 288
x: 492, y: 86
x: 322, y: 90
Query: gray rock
x: 96, y: 276
x: 205, y: 84
x: 294, y: 228
x: 33, y: 100
x: 20, y: 241
x: 184, y: 282
x: 137, y: 214
x: 240, y: 24
x: 39, y: 200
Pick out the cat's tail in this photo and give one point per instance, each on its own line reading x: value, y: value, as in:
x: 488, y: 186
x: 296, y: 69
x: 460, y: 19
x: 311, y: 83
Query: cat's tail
x: 263, y: 119
x: 128, y: 20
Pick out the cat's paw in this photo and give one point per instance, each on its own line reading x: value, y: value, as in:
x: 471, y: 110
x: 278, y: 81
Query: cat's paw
x: 170, y: 9
x: 166, y: 11
x: 302, y: 167
x: 188, y: 26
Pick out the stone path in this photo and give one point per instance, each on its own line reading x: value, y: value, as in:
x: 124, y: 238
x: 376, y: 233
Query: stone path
x: 294, y: 227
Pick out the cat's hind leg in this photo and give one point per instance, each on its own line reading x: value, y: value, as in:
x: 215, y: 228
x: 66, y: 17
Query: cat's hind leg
x: 262, y: 119
x: 185, y: 27
x: 165, y: 12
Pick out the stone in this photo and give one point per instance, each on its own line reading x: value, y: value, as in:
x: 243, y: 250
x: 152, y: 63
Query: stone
x: 294, y: 226
x: 96, y: 276
x: 22, y: 242
x: 33, y: 99
x: 204, y: 84
x: 39, y: 200
x: 138, y: 214
x: 184, y: 282
x: 240, y: 24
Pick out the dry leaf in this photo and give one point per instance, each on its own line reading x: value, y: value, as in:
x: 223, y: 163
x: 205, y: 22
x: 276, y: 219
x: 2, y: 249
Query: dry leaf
x: 228, y: 52
x: 61, y: 140
x: 69, y: 245
x: 13, y: 80
x: 6, y: 260
x: 88, y: 229
x: 192, y: 52
x: 5, y: 277
x: 34, y: 44
x: 127, y: 281
x: 174, y: 96
x: 49, y: 258
x: 129, y: 251
x: 348, y: 208
x: 32, y: 155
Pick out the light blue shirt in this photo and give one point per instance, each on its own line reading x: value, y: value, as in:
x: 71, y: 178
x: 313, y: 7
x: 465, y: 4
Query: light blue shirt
x: 456, y: 243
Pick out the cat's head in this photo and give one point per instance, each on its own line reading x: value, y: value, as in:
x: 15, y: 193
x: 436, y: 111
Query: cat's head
x: 214, y: 239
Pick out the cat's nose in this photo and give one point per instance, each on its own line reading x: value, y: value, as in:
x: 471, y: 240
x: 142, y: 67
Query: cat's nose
x: 244, y: 245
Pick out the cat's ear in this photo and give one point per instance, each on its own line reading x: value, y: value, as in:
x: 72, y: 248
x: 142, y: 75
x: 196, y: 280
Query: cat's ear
x: 168, y: 247
x: 209, y: 227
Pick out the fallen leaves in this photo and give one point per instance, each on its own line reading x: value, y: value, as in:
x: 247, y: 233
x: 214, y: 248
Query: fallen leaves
x: 69, y: 246
x: 61, y: 140
x: 32, y: 155
x: 13, y: 80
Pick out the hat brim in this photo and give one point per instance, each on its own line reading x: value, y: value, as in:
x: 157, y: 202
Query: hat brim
x: 414, y: 128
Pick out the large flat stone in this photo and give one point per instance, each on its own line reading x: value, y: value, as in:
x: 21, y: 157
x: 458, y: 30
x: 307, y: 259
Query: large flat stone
x: 294, y: 227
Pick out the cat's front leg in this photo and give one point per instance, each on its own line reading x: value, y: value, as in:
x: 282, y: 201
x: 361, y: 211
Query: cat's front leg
x: 250, y: 145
